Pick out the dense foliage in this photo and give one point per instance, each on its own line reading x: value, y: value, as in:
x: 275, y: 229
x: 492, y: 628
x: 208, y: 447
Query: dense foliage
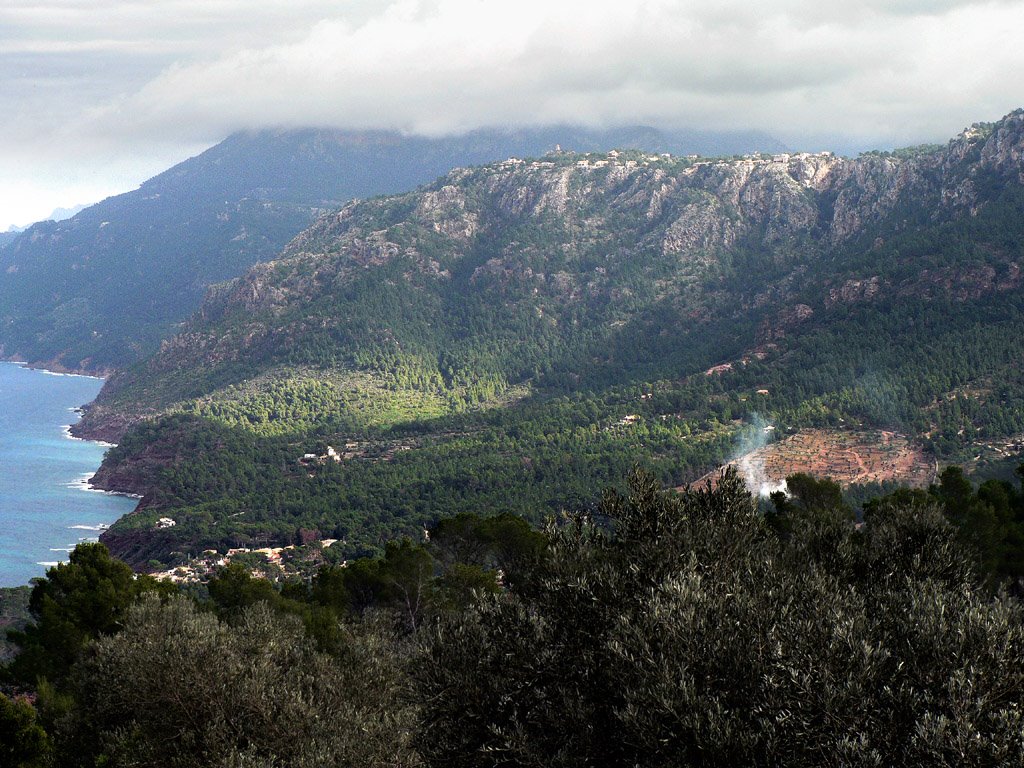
x: 660, y: 629
x: 694, y: 634
x: 23, y: 742
x: 14, y: 614
x: 79, y: 600
x: 989, y: 519
x: 951, y: 379
x: 178, y: 687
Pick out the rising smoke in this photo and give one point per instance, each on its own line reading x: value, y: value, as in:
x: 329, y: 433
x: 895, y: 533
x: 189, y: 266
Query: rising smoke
x: 748, y: 456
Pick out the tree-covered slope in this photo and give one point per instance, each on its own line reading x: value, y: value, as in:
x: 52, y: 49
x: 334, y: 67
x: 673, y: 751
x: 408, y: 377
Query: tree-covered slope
x: 538, y: 326
x: 593, y: 267
x: 102, y: 289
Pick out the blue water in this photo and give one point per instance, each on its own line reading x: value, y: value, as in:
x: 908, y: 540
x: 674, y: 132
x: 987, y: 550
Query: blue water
x: 45, y: 505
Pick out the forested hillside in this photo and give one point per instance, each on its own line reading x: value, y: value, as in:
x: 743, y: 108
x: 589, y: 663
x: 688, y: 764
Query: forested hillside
x: 101, y: 290
x: 512, y: 334
x: 405, y: 420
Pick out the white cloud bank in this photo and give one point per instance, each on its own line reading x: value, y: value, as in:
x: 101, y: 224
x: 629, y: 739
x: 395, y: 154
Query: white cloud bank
x: 111, y: 88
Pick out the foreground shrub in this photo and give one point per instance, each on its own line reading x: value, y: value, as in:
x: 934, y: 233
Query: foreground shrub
x: 178, y: 687
x: 698, y: 633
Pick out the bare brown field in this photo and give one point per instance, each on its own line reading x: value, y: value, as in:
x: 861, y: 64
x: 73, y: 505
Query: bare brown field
x: 846, y: 456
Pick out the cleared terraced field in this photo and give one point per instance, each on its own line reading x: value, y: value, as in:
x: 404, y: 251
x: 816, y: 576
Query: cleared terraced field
x: 847, y: 457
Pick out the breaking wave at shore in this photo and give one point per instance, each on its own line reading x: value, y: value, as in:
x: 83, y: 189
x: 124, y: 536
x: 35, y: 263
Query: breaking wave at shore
x: 43, y: 512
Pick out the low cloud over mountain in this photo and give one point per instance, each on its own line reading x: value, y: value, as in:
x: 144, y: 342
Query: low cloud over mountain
x: 95, y: 110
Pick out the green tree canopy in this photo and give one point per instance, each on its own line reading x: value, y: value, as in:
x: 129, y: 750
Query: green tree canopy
x: 75, y: 602
x: 692, y: 632
x: 23, y: 742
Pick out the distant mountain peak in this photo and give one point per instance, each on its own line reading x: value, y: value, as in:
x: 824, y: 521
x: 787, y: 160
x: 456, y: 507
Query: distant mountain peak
x: 60, y: 214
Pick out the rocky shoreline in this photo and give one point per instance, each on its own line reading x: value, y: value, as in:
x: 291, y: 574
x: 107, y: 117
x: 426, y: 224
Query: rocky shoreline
x: 109, y: 428
x: 101, y: 424
x: 56, y: 366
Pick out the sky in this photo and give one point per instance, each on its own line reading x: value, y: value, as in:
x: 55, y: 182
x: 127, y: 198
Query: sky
x: 98, y: 95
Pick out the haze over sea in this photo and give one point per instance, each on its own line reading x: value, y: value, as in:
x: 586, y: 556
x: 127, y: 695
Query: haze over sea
x: 46, y: 506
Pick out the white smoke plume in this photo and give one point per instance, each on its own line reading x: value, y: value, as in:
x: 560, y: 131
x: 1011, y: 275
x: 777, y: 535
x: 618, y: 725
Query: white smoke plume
x: 748, y: 457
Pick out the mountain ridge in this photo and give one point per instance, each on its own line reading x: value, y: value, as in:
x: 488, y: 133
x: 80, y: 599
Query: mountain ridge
x: 584, y: 312
x: 794, y: 204
x: 102, y: 289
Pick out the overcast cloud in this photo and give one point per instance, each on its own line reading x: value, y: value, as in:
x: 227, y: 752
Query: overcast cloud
x: 100, y: 94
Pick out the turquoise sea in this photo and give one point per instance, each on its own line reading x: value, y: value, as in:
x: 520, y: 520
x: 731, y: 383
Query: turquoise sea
x: 46, y: 505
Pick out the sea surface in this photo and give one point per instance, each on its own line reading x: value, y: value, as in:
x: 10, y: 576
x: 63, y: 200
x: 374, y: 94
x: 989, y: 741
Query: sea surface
x: 46, y: 505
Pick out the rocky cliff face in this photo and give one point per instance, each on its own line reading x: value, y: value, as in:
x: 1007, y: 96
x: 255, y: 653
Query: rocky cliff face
x: 571, y: 242
x: 699, y: 204
x: 100, y: 290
